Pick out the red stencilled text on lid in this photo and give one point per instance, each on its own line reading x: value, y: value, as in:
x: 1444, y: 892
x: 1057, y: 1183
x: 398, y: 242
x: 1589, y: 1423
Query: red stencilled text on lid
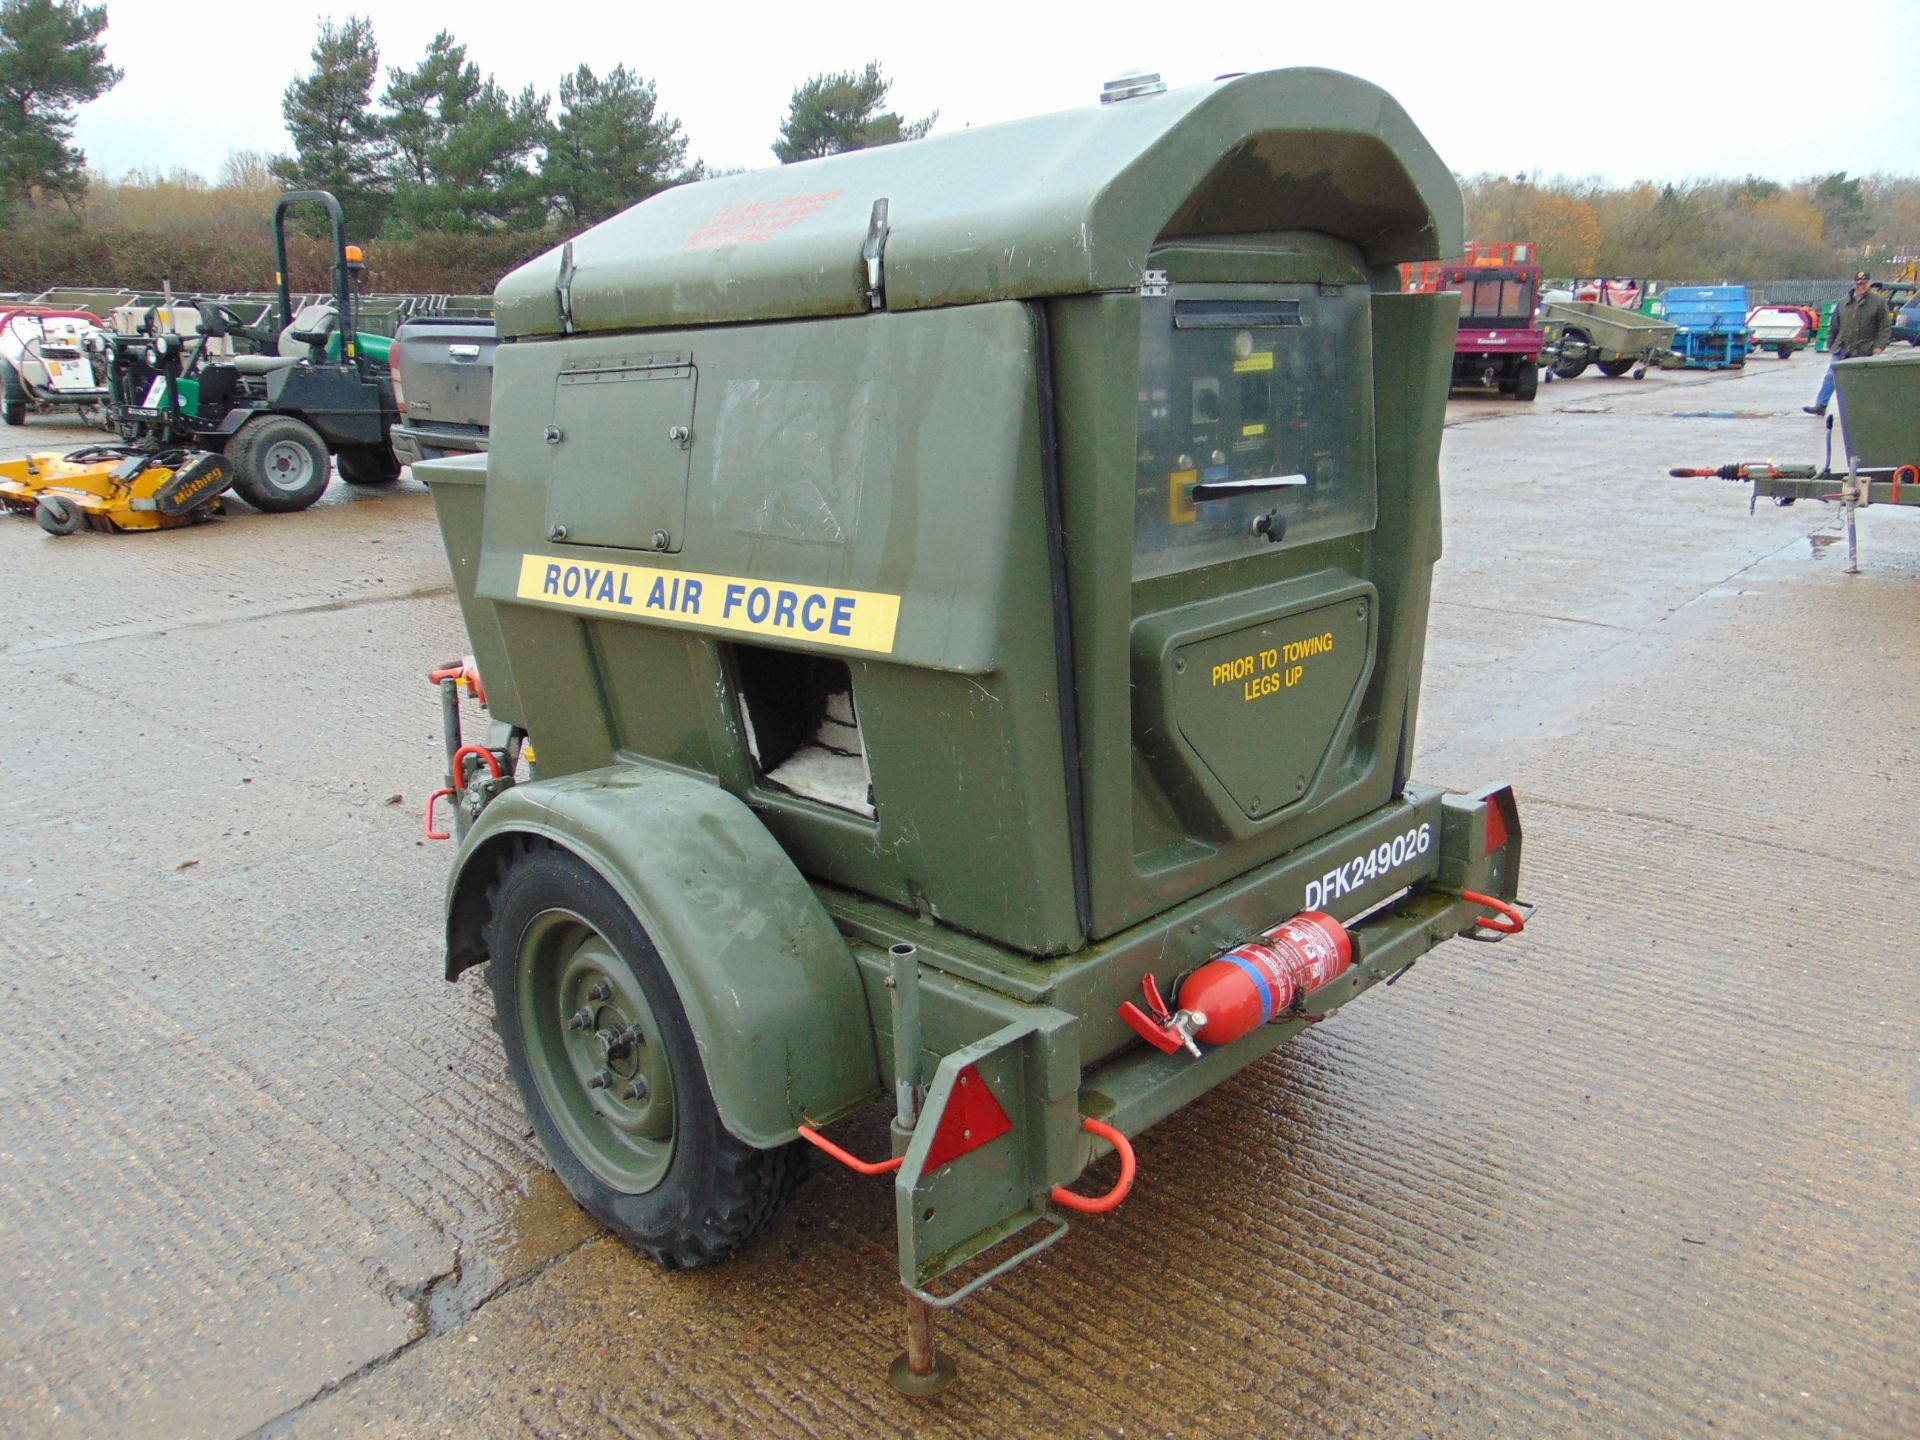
x: 758, y: 222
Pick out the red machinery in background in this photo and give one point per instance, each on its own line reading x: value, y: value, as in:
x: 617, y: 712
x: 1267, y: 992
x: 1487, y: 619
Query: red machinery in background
x: 1499, y: 289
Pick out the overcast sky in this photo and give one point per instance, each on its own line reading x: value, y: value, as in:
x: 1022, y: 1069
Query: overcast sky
x: 1621, y: 90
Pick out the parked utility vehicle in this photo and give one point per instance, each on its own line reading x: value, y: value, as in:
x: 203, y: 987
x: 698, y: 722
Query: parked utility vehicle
x: 313, y: 390
x: 970, y: 611
x: 1498, y: 347
x: 1782, y: 329
x: 442, y: 386
x: 49, y: 362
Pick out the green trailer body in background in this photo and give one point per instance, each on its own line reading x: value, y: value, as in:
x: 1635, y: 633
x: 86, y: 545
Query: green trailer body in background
x: 1879, y: 410
x: 1873, y: 445
x: 947, y: 584
x: 1584, y: 332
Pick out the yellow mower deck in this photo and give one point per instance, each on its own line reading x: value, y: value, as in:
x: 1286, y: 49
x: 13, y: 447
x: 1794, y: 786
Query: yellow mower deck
x: 109, y: 493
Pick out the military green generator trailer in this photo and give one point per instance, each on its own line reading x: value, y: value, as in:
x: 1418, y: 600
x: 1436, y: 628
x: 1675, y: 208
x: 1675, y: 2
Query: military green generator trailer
x: 955, y: 591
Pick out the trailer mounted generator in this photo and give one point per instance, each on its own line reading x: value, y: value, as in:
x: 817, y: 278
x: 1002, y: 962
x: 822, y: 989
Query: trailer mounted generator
x: 951, y: 618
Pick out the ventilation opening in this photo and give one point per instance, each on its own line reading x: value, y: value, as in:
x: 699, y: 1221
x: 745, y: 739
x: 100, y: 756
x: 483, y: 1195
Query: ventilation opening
x: 802, y: 727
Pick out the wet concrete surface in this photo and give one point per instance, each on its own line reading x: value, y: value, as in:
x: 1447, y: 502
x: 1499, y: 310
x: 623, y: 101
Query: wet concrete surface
x: 1649, y: 1171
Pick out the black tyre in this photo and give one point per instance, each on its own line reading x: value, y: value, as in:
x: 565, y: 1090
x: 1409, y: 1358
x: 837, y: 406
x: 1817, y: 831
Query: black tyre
x: 58, y: 515
x: 1526, y: 383
x: 1573, y: 342
x: 368, y: 465
x: 13, y: 400
x: 279, y: 464
x: 598, y: 1042
x: 1614, y: 369
x: 1785, y: 352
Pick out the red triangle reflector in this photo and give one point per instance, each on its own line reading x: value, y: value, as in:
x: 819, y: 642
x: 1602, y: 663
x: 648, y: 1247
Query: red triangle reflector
x: 971, y: 1119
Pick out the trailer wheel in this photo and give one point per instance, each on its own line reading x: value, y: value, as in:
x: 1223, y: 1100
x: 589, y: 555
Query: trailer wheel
x: 1581, y: 344
x: 1614, y: 369
x: 598, y: 1042
x: 58, y: 515
x: 1785, y: 352
x: 1526, y: 382
x: 279, y: 464
x: 368, y: 465
x: 16, y: 412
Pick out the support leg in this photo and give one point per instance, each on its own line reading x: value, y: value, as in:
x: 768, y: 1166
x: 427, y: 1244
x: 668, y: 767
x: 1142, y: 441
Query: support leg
x: 923, y: 1370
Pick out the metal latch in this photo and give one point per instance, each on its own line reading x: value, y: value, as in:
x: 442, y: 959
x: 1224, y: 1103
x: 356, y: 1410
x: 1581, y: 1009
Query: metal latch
x: 874, y: 253
x: 681, y: 436
x: 563, y: 288
x: 464, y: 352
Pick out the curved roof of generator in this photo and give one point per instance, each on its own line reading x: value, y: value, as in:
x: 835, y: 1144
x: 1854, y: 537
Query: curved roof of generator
x: 1059, y: 204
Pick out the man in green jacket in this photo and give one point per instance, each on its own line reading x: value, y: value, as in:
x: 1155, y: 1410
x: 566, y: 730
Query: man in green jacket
x: 1862, y: 325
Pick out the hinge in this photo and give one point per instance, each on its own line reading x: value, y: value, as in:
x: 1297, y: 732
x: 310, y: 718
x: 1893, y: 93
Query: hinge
x: 1153, y: 282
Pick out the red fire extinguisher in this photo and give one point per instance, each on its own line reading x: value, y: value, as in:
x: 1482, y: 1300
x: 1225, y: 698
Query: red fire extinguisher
x: 1236, y: 993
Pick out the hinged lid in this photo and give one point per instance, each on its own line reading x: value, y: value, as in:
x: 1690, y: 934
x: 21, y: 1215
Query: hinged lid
x: 1056, y: 204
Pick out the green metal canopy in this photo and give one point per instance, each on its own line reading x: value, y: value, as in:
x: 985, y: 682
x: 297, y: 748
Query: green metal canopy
x: 1058, y: 204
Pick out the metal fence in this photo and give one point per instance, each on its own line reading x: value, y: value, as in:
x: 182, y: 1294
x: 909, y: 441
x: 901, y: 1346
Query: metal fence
x: 1763, y: 292
x: 1798, y: 292
x: 373, y: 314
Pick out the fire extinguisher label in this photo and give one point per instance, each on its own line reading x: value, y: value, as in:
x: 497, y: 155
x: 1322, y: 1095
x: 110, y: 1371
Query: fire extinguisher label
x: 1401, y: 852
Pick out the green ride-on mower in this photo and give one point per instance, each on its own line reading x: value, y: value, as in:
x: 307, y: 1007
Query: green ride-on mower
x: 312, y: 390
x: 969, y: 597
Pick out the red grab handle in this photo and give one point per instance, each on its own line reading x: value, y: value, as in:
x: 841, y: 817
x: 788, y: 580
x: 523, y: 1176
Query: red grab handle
x: 847, y: 1158
x: 432, y: 800
x: 460, y: 757
x: 1085, y: 1204
x: 1507, y: 920
x: 459, y: 775
x: 1101, y: 1204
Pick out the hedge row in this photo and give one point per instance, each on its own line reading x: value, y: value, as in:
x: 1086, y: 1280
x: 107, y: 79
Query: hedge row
x: 39, y: 255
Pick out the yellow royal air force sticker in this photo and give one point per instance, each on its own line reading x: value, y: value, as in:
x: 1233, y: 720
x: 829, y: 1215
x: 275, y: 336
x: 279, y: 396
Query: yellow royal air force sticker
x: 813, y: 614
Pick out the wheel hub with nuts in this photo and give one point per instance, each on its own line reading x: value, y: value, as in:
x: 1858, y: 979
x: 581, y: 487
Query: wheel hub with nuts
x: 596, y: 1052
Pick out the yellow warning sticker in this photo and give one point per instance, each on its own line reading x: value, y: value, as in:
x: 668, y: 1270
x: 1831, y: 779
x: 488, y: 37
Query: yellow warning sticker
x: 1180, y: 509
x: 1257, y: 428
x: 816, y: 614
x: 1259, y: 360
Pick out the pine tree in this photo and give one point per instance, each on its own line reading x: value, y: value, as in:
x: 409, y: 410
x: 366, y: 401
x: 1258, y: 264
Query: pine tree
x: 611, y: 146
x: 458, y: 146
x: 329, y: 115
x: 51, y: 62
x: 1843, y: 203
x: 832, y: 113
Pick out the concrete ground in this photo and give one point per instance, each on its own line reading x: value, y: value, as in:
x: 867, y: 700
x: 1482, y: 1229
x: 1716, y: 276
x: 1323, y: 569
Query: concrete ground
x: 1648, y: 1171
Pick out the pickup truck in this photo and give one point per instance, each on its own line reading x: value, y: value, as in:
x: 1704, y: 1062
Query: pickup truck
x: 443, y: 385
